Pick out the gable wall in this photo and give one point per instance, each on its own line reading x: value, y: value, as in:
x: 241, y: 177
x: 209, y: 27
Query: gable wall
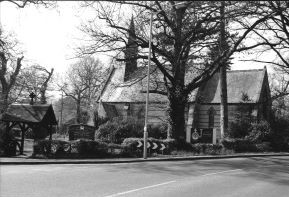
x: 265, y: 105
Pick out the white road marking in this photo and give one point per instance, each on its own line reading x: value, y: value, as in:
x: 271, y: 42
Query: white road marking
x: 221, y: 172
x: 143, y: 188
x: 161, y: 184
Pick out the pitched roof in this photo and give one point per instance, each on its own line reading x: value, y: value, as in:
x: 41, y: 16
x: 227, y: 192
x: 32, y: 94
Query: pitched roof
x: 133, y: 90
x: 30, y: 114
x: 239, y: 82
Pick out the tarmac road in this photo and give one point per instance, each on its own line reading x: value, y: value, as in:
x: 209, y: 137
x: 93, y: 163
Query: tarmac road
x: 249, y: 177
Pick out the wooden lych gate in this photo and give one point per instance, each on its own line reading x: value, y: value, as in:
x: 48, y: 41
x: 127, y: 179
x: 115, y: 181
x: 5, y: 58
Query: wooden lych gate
x: 35, y: 117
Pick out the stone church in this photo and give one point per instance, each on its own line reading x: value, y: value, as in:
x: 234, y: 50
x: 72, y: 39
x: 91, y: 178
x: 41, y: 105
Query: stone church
x: 124, y: 95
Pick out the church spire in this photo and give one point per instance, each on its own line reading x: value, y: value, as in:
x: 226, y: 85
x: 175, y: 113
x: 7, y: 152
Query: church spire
x: 131, y: 51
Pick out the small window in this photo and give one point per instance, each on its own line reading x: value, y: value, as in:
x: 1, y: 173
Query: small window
x: 211, y: 113
x: 140, y: 114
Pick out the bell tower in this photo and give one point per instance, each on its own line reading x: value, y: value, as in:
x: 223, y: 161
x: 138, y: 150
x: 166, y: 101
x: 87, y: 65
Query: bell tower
x: 130, y: 52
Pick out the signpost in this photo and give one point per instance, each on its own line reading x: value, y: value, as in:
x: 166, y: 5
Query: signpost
x: 152, y: 145
x: 202, y: 135
x: 139, y: 144
x: 81, y: 132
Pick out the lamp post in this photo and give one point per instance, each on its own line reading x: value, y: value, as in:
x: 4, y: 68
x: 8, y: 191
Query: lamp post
x: 145, y: 134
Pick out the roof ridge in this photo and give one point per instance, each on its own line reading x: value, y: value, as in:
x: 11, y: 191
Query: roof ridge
x: 247, y: 70
x: 261, y: 84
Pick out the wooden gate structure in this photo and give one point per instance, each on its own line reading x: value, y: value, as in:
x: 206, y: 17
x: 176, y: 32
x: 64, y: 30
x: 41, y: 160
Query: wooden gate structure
x: 28, y: 116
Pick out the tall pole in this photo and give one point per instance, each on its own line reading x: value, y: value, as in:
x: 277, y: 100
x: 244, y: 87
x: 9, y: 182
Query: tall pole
x: 145, y: 134
x: 223, y: 76
x: 61, y: 112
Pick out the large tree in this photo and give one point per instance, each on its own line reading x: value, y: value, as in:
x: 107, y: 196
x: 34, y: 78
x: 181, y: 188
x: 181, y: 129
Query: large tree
x: 82, y: 83
x: 182, y: 35
x: 10, y: 66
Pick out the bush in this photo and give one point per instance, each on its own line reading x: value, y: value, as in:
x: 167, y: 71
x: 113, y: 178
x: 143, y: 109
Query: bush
x: 260, y: 132
x: 116, y: 130
x: 244, y: 145
x: 50, y: 147
x: 280, y: 138
x: 239, y: 128
x: 158, y: 131
x: 78, y: 149
x: 207, y: 149
x: 8, y: 143
x: 247, y: 136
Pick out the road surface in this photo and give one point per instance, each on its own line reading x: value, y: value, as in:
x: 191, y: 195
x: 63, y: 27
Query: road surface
x: 246, y: 177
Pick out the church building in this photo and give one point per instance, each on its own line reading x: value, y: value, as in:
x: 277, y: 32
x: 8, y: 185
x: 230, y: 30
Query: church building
x: 124, y: 94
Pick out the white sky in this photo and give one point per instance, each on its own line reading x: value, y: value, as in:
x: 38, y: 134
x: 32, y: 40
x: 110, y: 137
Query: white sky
x: 48, y: 35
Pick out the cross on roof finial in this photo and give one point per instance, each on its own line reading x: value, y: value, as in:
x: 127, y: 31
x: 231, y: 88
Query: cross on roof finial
x: 32, y: 96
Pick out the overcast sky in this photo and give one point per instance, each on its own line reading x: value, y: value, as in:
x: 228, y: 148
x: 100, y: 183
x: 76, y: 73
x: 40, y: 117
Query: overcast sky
x: 48, y: 35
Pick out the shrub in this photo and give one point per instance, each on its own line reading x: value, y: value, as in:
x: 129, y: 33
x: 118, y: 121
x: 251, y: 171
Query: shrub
x: 78, y: 149
x: 280, y: 139
x: 239, y: 128
x: 260, y: 132
x: 158, y: 131
x: 244, y: 145
x: 116, y: 130
x: 207, y: 149
x: 8, y: 142
x: 131, y: 148
x: 49, y: 147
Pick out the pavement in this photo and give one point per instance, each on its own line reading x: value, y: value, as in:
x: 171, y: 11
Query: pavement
x: 25, y: 160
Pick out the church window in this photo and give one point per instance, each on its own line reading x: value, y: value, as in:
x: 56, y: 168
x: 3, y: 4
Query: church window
x: 211, y: 113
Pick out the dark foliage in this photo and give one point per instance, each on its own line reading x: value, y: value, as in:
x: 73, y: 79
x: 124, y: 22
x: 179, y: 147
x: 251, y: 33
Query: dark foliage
x: 244, y: 145
x: 116, y: 130
x: 280, y: 137
x: 79, y: 149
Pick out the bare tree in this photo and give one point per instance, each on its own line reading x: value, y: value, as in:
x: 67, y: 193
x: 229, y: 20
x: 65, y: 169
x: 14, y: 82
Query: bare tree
x: 274, y: 36
x: 9, y: 68
x: 35, y: 79
x: 182, y: 36
x: 23, y: 3
x: 11, y: 64
x: 83, y: 81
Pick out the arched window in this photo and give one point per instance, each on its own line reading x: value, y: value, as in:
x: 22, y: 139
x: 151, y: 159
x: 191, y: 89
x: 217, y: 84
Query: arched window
x: 211, y: 113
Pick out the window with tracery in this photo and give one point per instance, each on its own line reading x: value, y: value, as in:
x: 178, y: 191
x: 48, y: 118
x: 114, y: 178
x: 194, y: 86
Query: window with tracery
x: 211, y: 113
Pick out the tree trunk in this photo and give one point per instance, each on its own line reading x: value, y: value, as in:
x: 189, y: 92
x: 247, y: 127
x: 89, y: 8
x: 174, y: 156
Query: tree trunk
x: 78, y: 115
x: 78, y: 111
x: 176, y: 116
x: 4, y: 100
x: 223, y: 78
x: 44, y: 87
x: 42, y: 94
